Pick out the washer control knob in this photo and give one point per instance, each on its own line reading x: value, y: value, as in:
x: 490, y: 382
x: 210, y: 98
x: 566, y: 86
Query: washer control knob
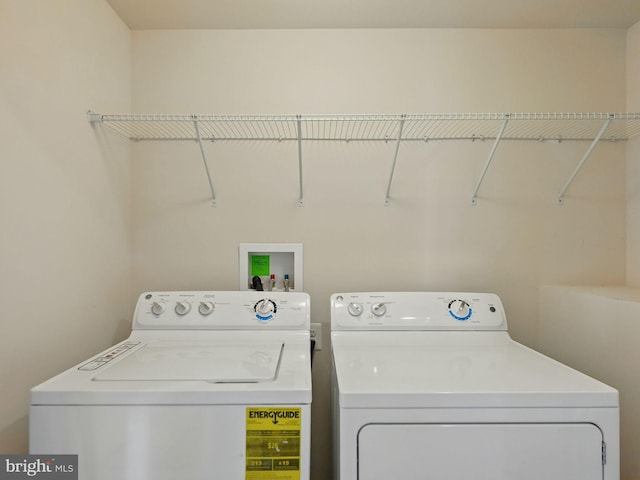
x: 355, y: 309
x: 182, y: 308
x: 378, y: 309
x: 460, y: 310
x: 206, y: 308
x: 157, y: 308
x: 265, y: 309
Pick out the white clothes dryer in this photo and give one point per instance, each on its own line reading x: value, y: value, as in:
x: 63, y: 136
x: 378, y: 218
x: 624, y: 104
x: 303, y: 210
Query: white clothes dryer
x: 208, y: 386
x: 431, y: 386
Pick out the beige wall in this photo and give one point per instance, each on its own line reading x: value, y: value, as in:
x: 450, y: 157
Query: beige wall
x: 65, y: 239
x: 68, y: 247
x: 596, y: 330
x: 430, y: 238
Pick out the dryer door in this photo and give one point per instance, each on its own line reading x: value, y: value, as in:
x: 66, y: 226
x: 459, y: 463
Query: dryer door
x: 480, y: 452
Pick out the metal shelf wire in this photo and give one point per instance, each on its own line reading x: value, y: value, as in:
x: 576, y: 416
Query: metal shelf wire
x: 589, y: 127
x: 375, y: 127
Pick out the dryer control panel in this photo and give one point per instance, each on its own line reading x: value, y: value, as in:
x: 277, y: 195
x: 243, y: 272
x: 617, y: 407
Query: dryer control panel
x: 226, y: 310
x: 417, y: 311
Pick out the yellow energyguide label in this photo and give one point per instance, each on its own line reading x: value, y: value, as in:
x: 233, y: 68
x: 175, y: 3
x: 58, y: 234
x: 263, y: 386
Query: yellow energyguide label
x: 273, y: 443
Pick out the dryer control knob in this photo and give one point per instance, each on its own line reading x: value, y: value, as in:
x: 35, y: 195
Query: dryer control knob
x: 206, y: 308
x: 182, y: 308
x: 460, y: 310
x: 157, y: 308
x: 355, y: 309
x: 378, y: 309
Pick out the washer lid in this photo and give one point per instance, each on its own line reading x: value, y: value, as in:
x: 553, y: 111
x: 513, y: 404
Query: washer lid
x: 209, y: 362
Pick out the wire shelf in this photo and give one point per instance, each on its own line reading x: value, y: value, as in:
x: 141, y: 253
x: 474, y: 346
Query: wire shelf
x: 375, y: 127
x: 590, y: 127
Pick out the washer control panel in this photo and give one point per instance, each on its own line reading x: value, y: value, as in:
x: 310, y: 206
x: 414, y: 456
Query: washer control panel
x: 417, y: 311
x: 224, y: 310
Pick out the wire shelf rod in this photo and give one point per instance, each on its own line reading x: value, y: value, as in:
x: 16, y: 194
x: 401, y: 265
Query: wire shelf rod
x: 392, y: 118
x: 474, y: 200
x: 269, y: 130
x: 204, y: 160
x: 584, y: 159
x: 264, y: 130
x: 299, y: 127
x: 387, y: 200
x: 471, y: 138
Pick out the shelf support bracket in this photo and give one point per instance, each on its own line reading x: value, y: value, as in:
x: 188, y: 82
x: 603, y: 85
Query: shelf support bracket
x: 299, y: 127
x: 204, y: 160
x: 387, y: 200
x: 474, y: 199
x: 93, y: 117
x: 584, y: 158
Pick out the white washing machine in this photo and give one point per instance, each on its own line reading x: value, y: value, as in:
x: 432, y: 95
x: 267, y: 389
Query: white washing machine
x: 209, y: 386
x: 431, y: 386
